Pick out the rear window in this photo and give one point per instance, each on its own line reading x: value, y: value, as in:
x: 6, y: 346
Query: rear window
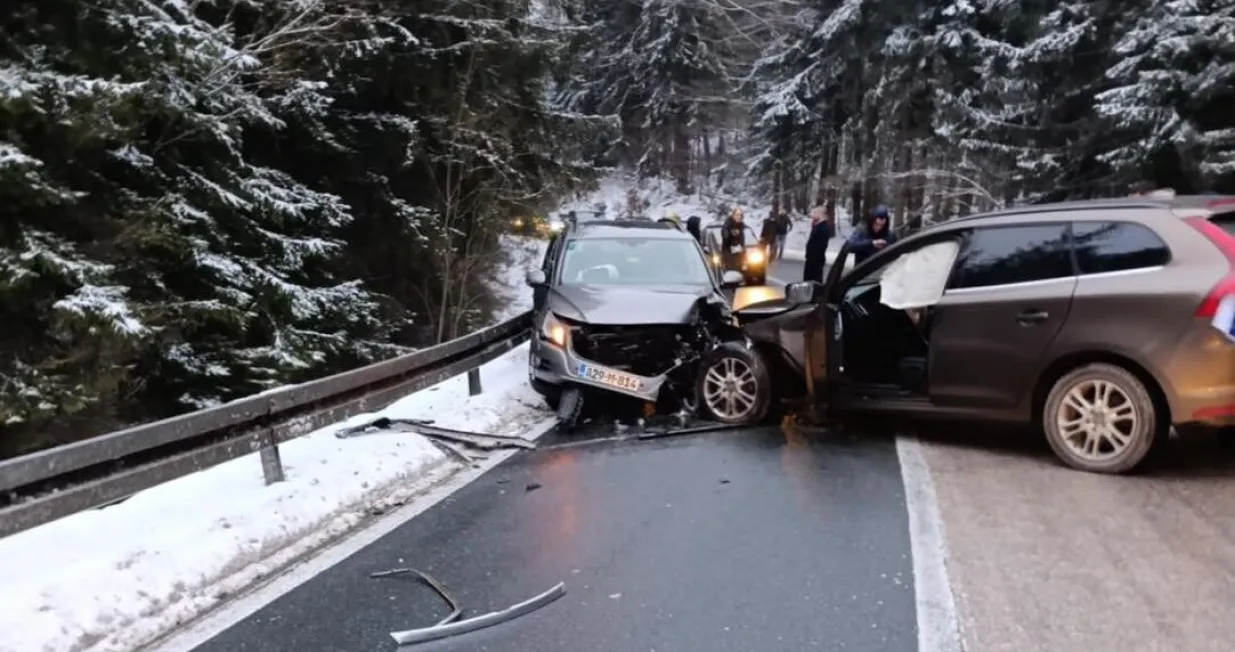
x: 1117, y: 246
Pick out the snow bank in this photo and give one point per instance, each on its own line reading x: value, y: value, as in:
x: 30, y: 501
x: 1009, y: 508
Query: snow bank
x: 523, y: 253
x: 115, y: 578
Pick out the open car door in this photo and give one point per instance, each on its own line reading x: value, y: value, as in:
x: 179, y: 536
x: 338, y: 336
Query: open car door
x: 827, y: 342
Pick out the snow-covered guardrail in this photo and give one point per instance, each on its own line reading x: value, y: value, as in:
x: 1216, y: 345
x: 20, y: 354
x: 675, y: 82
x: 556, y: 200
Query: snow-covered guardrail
x: 57, y: 482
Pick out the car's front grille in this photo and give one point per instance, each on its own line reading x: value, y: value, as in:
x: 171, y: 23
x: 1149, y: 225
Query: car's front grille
x: 642, y: 350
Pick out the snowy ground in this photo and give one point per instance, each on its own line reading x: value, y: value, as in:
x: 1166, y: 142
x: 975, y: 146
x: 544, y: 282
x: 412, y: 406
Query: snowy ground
x: 523, y: 253
x: 113, y: 579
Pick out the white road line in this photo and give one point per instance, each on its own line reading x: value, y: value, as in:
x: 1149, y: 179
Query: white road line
x: 938, y: 625
x: 245, y: 605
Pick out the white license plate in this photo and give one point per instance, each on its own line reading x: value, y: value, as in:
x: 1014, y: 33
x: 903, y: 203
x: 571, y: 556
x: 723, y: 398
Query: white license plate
x: 609, y: 377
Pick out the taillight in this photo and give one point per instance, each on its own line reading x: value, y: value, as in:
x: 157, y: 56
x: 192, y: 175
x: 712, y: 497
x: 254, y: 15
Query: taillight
x: 1226, y: 287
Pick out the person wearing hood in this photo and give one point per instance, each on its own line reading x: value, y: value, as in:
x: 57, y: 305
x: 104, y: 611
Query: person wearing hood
x: 874, y: 234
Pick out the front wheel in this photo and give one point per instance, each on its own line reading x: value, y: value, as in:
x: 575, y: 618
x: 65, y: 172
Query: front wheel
x: 734, y: 386
x: 1101, y: 418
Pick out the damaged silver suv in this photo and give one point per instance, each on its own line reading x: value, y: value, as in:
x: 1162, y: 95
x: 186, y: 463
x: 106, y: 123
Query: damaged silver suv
x: 632, y: 309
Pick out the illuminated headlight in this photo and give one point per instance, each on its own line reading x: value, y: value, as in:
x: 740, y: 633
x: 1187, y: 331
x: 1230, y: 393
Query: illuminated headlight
x: 555, y: 225
x: 716, y: 259
x: 754, y: 256
x: 554, y: 330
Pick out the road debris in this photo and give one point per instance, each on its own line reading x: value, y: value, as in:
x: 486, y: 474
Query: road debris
x: 427, y: 579
x: 687, y: 430
x: 476, y: 440
x: 451, y: 625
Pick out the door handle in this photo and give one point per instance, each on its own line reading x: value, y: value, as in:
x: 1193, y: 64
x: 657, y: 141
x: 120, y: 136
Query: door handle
x: 1031, y: 317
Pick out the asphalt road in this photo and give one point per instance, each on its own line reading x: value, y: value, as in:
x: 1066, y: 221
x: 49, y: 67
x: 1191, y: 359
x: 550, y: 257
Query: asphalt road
x: 757, y: 540
x: 1044, y: 558
x: 765, y: 540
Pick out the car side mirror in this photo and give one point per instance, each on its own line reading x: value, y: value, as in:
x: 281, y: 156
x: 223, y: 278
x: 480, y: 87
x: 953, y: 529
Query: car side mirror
x: 731, y: 279
x: 535, y: 277
x: 802, y: 292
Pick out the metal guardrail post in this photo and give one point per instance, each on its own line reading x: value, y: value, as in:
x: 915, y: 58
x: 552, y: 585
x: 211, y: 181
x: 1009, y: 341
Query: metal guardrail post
x: 272, y: 460
x: 473, y: 382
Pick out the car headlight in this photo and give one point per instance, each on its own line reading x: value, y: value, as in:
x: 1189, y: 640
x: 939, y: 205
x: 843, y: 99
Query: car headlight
x: 754, y: 256
x: 554, y: 330
x: 716, y: 259
x: 555, y: 225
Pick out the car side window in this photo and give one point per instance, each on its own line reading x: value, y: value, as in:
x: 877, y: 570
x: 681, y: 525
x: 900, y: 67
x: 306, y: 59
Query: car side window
x: 1117, y: 246
x: 1001, y: 255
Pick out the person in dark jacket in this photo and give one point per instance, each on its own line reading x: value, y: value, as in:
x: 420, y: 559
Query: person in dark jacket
x: 768, y: 234
x: 733, y: 240
x: 784, y: 224
x: 693, y: 227
x: 874, y: 234
x: 817, y: 251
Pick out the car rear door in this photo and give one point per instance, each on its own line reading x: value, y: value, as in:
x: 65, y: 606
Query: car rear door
x: 1009, y: 296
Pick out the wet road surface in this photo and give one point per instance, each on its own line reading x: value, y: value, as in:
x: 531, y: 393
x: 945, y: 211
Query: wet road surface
x: 1045, y: 558
x: 751, y: 540
x: 763, y: 541
x: 1041, y: 557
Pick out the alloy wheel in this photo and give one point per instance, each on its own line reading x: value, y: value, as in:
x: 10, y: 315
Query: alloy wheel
x: 1097, y: 420
x: 730, y: 389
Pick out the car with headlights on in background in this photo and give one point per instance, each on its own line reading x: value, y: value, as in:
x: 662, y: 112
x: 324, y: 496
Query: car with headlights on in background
x: 752, y: 264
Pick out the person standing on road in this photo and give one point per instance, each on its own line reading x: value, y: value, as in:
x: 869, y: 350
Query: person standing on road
x: 817, y: 249
x: 768, y: 236
x: 692, y: 225
x: 783, y: 226
x: 872, y: 236
x: 733, y: 239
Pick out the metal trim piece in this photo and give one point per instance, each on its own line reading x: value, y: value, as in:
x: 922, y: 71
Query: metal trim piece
x: 439, y: 631
x: 455, y: 609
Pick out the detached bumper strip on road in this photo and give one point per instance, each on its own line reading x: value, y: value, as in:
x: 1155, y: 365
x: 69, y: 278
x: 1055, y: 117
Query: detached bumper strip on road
x: 455, y: 610
x: 440, y: 631
x: 688, y: 430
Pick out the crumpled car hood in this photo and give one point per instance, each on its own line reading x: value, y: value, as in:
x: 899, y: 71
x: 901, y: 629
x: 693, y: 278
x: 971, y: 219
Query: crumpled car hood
x: 622, y: 306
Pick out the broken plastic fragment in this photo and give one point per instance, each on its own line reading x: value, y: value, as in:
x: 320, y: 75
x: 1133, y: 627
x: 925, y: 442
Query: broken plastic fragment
x: 440, y: 630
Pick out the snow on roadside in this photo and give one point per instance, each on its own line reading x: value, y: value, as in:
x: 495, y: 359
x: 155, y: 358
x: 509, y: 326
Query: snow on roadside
x: 113, y: 579
x: 523, y: 253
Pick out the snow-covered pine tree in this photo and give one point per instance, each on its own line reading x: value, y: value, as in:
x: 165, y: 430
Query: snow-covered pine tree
x: 151, y: 267
x: 1173, y: 78
x: 661, y: 67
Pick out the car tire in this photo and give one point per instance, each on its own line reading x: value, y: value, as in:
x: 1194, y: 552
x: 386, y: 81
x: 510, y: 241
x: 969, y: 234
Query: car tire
x: 1101, y: 418
x: 551, y: 393
x: 732, y: 362
x: 570, y: 409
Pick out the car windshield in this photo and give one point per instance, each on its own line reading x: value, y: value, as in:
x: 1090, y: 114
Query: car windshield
x: 633, y: 261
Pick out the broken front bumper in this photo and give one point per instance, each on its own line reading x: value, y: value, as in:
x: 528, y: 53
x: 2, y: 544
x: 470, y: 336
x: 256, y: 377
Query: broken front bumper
x: 556, y: 365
